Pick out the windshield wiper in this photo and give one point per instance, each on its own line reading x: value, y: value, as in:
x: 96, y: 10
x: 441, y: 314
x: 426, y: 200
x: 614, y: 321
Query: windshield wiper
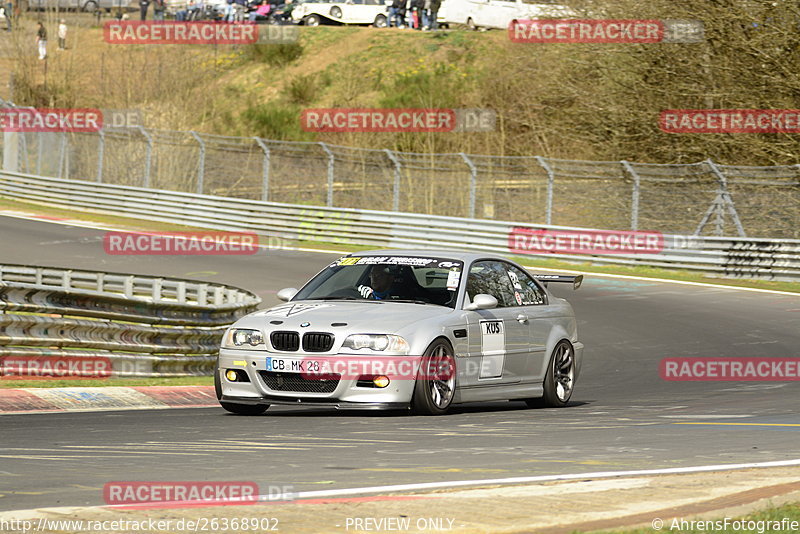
x: 413, y: 301
x: 335, y: 298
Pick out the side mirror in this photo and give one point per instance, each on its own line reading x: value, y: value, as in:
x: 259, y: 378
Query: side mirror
x: 482, y: 301
x: 287, y: 293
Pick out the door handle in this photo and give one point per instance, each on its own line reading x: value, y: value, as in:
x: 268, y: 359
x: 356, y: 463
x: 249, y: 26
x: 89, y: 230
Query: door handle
x: 522, y: 318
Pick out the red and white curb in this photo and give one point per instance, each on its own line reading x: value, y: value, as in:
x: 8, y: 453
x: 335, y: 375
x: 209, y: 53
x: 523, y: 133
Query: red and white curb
x: 87, y: 399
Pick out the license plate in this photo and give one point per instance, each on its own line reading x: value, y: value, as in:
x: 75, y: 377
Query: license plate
x: 293, y: 365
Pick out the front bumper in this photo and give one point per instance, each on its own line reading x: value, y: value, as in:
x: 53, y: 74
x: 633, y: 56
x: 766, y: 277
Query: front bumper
x: 347, y: 394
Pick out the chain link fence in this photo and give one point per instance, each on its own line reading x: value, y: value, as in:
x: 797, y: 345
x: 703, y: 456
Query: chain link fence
x: 703, y: 198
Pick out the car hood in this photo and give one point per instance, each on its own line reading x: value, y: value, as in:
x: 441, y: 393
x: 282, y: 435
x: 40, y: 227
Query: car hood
x: 360, y: 316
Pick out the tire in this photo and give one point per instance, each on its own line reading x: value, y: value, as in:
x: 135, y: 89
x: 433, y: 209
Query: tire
x: 380, y: 21
x: 435, y: 387
x: 311, y: 20
x: 336, y: 12
x: 559, y: 381
x: 90, y: 7
x: 238, y: 409
x: 471, y: 24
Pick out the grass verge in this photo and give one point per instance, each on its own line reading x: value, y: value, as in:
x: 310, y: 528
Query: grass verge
x: 775, y: 520
x: 118, y: 382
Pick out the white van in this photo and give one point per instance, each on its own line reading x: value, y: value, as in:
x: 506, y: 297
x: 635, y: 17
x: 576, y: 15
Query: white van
x: 498, y: 14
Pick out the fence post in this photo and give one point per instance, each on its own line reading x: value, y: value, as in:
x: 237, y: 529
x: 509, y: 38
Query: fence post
x: 396, y: 187
x: 473, y: 184
x: 725, y: 201
x: 636, y: 189
x: 61, y: 154
x: 265, y: 169
x: 148, y: 156
x: 551, y: 178
x: 329, y: 201
x: 39, y: 154
x: 201, y: 168
x: 101, y: 142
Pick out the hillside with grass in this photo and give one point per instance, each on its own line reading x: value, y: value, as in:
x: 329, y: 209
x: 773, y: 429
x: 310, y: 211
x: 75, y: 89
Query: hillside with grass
x: 579, y: 101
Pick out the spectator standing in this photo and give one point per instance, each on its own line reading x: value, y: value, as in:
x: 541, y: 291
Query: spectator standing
x: 62, y: 35
x: 434, y: 14
x: 143, y: 5
x: 426, y: 11
x: 158, y: 9
x: 9, y: 12
x: 413, y: 14
x: 41, y: 41
x: 396, y: 13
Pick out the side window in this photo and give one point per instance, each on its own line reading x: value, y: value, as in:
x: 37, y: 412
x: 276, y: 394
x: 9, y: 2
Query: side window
x: 491, y: 278
x: 529, y: 291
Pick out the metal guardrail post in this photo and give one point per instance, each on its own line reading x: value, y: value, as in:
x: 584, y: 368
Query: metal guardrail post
x: 101, y: 146
x: 331, y: 160
x: 727, y: 201
x: 201, y: 164
x: 636, y: 189
x: 265, y: 170
x: 473, y: 184
x: 551, y: 178
x: 148, y: 156
x: 396, y: 187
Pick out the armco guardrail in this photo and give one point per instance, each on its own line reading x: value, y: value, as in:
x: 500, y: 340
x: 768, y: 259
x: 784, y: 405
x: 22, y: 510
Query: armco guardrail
x: 67, y: 322
x: 774, y: 259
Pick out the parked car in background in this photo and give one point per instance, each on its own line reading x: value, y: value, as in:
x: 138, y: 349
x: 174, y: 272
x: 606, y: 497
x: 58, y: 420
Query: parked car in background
x: 351, y: 12
x: 79, y: 5
x: 476, y: 14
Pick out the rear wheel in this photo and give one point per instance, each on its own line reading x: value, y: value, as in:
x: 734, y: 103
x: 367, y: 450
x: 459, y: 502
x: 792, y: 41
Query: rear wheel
x: 471, y: 24
x: 436, y: 383
x: 90, y: 6
x: 560, y: 378
x: 238, y: 409
x: 380, y: 21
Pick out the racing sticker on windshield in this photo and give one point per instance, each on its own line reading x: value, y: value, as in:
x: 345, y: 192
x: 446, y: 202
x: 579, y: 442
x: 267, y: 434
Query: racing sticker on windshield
x: 493, y: 344
x: 385, y: 260
x: 453, y: 277
x: 289, y: 310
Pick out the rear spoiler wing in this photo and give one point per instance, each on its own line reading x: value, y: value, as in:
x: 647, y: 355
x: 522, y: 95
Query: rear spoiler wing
x: 576, y: 280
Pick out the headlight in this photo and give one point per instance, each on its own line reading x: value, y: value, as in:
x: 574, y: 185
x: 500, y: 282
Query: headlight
x: 378, y: 342
x: 241, y: 338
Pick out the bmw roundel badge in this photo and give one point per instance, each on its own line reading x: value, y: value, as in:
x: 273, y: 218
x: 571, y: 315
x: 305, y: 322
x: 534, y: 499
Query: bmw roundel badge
x: 303, y: 325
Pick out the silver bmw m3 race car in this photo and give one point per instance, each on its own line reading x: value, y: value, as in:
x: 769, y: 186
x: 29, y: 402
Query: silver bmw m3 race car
x: 410, y: 328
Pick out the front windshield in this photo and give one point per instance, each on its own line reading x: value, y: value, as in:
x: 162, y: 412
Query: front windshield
x: 423, y: 280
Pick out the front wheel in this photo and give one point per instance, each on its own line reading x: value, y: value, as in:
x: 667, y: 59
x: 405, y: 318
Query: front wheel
x: 90, y: 6
x: 560, y: 378
x: 471, y: 24
x: 436, y: 382
x: 311, y: 20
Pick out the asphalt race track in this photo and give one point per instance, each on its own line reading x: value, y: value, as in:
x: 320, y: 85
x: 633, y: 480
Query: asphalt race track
x: 622, y: 416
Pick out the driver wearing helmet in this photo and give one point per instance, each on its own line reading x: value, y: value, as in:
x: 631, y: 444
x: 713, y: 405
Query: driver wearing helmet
x: 381, y: 278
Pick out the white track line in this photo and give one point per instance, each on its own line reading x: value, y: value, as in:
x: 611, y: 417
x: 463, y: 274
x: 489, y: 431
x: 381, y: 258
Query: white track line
x: 324, y: 251
x: 543, y: 478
